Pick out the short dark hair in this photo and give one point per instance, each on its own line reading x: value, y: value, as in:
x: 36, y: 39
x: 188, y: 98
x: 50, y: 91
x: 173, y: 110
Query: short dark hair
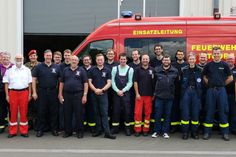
x: 135, y: 50
x: 158, y: 45
x: 167, y: 56
x: 67, y: 51
x: 122, y: 55
x: 216, y: 48
x: 109, y: 50
x: 86, y: 56
x: 99, y: 55
x: 57, y: 53
x: 48, y: 50
x: 144, y: 54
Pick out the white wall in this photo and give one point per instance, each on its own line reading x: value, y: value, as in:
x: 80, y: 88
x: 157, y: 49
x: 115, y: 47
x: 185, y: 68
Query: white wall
x: 226, y: 5
x: 11, y: 26
x: 196, y: 7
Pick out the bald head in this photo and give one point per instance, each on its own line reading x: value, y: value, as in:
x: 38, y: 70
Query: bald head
x: 230, y: 59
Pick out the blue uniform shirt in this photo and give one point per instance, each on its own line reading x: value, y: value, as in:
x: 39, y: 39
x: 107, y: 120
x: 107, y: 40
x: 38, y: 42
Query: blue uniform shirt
x: 145, y: 80
x: 216, y: 73
x: 47, y: 76
x: 74, y: 80
x: 99, y: 77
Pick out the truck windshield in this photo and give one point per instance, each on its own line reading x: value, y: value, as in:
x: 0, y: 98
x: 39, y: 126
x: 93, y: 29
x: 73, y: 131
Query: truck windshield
x: 170, y: 45
x: 96, y: 47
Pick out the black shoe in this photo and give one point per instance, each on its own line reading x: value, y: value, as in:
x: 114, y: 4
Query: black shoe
x: 96, y: 134
x: 174, y: 129
x: 145, y: 133
x: 206, y: 136
x: 137, y: 134
x: 2, y: 130
x: 225, y: 137
x: 80, y: 135
x: 11, y: 135
x: 127, y: 132
x: 185, y: 136
x: 67, y: 135
x: 195, y: 136
x: 110, y: 136
x: 55, y: 133
x: 115, y: 130
x: 25, y: 135
x: 39, y: 134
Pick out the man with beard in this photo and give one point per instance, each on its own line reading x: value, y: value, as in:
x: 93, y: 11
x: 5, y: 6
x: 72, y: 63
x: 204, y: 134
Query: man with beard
x: 89, y: 106
x: 230, y: 88
x: 175, y: 113
x: 17, y: 82
x: 164, y: 96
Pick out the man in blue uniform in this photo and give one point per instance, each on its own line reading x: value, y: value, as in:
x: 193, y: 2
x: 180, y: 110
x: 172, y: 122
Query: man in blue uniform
x: 122, y: 81
x: 62, y: 66
x: 99, y: 82
x: 191, y: 89
x: 164, y: 96
x: 73, y: 91
x: 230, y: 88
x: 89, y: 106
x: 217, y: 75
x: 47, y: 74
x: 175, y: 113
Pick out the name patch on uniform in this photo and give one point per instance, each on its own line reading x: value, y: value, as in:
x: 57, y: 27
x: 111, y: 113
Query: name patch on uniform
x: 77, y: 73
x: 54, y: 70
x: 221, y: 68
x: 103, y: 74
x: 199, y: 79
x: 150, y: 72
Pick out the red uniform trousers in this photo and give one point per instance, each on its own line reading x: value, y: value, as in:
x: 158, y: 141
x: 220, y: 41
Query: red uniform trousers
x: 18, y: 100
x: 146, y: 103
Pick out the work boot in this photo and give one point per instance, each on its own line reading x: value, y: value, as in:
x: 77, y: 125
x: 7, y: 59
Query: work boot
x: 115, y: 130
x: 195, y: 135
x: 185, y: 136
x: 206, y: 136
x: 225, y: 137
x: 110, y: 136
x: 127, y: 131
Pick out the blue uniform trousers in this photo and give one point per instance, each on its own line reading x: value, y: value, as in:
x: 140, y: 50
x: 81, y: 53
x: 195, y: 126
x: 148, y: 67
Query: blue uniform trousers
x: 190, y: 107
x: 162, y: 110
x: 216, y: 98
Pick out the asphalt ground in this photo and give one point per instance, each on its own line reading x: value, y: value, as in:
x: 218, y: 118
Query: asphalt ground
x: 50, y: 146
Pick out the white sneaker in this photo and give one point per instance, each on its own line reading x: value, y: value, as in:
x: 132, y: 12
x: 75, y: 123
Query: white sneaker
x: 166, y: 136
x: 154, y: 135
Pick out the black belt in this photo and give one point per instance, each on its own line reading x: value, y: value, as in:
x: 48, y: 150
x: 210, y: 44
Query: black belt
x: 48, y: 88
x: 19, y: 89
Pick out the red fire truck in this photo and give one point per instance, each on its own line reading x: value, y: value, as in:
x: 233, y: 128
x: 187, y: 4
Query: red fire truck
x: 191, y: 34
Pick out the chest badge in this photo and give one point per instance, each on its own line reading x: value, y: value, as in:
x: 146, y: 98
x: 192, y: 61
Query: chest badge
x: 77, y: 73
x: 103, y: 74
x: 54, y: 70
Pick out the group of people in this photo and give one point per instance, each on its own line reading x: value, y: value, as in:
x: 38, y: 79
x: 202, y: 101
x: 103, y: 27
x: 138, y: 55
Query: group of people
x: 148, y: 95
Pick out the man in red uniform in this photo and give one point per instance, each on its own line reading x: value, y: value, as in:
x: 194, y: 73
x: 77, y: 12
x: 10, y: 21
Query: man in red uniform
x: 144, y: 89
x: 18, y: 90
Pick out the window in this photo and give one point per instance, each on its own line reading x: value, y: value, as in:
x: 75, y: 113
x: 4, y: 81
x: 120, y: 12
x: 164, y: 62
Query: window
x: 170, y: 45
x: 95, y: 48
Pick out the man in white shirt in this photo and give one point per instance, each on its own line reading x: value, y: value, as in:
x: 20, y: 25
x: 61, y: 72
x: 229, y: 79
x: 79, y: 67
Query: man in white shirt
x: 17, y: 82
